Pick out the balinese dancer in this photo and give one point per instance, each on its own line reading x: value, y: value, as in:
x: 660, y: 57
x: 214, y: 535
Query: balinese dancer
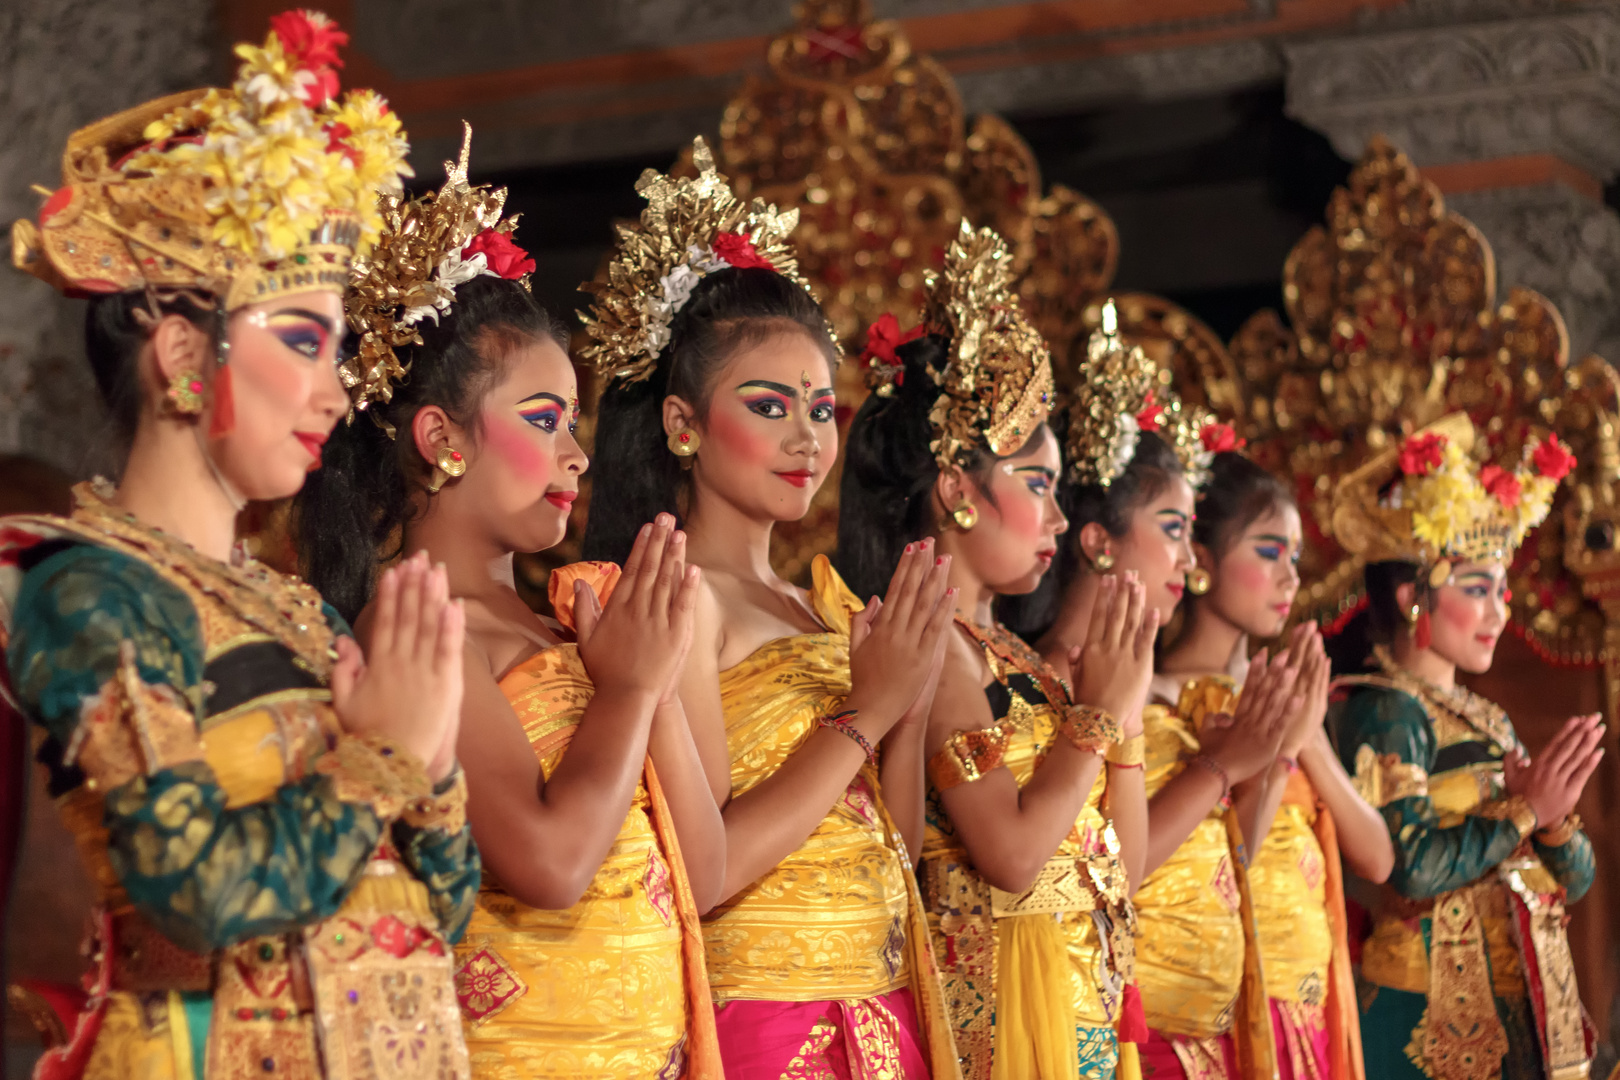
x: 1468, y: 970
x: 276, y: 825
x: 1247, y: 539
x: 1024, y: 863
x: 719, y: 411
x: 584, y: 957
x: 1129, y: 448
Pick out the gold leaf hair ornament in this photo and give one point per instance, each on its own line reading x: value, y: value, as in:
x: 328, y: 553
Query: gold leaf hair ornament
x: 1428, y: 501
x: 884, y: 368
x: 690, y: 229
x: 1113, y: 402
x: 245, y: 193
x: 428, y: 247
x: 996, y: 385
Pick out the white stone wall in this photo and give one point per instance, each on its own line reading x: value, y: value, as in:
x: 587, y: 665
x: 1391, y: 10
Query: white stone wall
x: 63, y: 64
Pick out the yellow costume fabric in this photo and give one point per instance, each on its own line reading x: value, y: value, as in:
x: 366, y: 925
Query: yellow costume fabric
x: 1197, y: 961
x: 840, y: 918
x: 613, y: 986
x: 1015, y: 1011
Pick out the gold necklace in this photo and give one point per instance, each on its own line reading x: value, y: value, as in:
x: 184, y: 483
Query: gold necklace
x: 1460, y: 703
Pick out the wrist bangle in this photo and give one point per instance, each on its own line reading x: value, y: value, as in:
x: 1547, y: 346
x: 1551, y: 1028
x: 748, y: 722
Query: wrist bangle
x: 1089, y: 728
x: 1128, y: 753
x: 1559, y: 833
x: 1208, y: 763
x: 844, y: 724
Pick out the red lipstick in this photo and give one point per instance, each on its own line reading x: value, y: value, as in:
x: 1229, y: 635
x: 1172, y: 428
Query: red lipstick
x: 311, y: 441
x: 1176, y: 589
x: 798, y: 478
x: 563, y: 500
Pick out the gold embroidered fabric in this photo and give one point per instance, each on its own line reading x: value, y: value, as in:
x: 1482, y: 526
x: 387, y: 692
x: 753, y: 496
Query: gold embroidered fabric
x: 1082, y: 888
x: 447, y: 811
x: 597, y: 990
x: 132, y: 728
x: 373, y: 771
x: 969, y: 755
x: 1287, y: 878
x: 1189, y: 953
x: 1382, y: 778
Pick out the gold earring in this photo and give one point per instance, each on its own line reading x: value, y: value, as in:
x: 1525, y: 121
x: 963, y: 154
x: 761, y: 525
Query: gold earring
x: 1198, y: 581
x: 1104, y: 562
x: 447, y: 465
x: 964, y: 513
x: 684, y: 443
x: 185, y: 393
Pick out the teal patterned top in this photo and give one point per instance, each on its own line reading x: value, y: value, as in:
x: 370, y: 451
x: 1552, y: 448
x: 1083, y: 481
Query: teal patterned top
x: 204, y: 870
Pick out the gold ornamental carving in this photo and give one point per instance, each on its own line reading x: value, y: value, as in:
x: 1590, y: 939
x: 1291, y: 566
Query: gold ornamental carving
x: 1392, y: 321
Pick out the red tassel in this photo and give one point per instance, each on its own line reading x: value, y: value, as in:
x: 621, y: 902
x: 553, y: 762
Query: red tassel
x: 1132, y: 1025
x: 223, y: 420
x: 1421, y: 631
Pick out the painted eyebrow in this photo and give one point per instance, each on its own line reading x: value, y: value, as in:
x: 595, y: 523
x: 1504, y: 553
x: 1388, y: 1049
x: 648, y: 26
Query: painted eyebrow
x: 305, y: 313
x: 1485, y: 574
x: 544, y: 397
x: 1274, y: 538
x: 764, y: 384
x: 1042, y: 469
x: 825, y: 391
x: 1171, y: 510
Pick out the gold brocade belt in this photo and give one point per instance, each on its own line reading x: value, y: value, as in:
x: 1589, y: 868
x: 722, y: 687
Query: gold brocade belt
x: 1065, y: 883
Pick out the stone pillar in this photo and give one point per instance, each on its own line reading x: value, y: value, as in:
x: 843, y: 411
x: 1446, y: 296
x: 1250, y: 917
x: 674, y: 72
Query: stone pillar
x: 1512, y: 107
x: 63, y: 64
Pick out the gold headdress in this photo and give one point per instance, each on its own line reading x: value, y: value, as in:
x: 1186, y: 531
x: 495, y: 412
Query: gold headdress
x: 996, y: 388
x: 1118, y: 395
x: 264, y: 188
x: 1426, y: 500
x: 428, y: 246
x: 690, y: 229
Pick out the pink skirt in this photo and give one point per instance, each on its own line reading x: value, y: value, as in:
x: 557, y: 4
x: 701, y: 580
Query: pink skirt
x: 1302, y: 1041
x: 1181, y: 1057
x: 850, y: 1040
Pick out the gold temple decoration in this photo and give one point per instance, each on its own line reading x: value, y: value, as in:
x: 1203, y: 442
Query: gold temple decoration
x: 870, y: 141
x: 1394, y: 322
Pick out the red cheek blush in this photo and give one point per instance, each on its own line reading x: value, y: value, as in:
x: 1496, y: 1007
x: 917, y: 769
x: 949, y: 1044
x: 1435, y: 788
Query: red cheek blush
x: 1460, y: 615
x: 740, y: 440
x: 516, y: 449
x: 1252, y: 577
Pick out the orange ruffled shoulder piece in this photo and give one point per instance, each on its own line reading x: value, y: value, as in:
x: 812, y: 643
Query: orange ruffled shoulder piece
x: 602, y: 577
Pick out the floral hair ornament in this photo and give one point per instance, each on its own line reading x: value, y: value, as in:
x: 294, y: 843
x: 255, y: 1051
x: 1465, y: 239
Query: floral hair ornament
x: 690, y: 229
x: 884, y: 368
x: 996, y: 386
x: 429, y: 246
x: 1428, y: 502
x: 241, y: 194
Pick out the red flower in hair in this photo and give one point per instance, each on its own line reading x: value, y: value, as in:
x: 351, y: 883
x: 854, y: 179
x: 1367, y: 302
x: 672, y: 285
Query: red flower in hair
x: 1148, y: 418
x: 1218, y: 438
x: 1552, y: 460
x: 310, y: 39
x: 336, y: 133
x: 1501, y: 484
x: 1422, y: 453
x: 738, y: 250
x: 884, y: 336
x: 505, y: 258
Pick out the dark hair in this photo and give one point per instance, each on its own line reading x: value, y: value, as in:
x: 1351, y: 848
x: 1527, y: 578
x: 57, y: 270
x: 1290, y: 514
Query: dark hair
x: 1350, y: 648
x: 1150, y: 471
x: 886, y: 497
x: 1238, y: 494
x: 634, y: 475
x: 363, y: 494
x: 114, y: 334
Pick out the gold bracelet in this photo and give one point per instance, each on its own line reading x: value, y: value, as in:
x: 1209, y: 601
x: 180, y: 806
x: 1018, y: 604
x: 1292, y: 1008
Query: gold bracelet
x: 1089, y: 728
x: 1560, y: 833
x: 1128, y: 753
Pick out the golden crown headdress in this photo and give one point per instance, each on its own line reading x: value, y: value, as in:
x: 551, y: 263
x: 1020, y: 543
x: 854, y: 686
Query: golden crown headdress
x: 996, y: 386
x: 428, y: 246
x: 1118, y: 395
x: 690, y: 229
x: 267, y: 187
x: 1427, y: 500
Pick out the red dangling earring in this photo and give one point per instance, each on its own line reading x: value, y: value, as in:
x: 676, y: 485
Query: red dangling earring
x: 1420, y: 632
x: 223, y: 419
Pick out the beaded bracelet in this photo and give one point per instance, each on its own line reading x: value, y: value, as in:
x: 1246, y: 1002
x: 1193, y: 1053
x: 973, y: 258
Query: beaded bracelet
x: 1204, y: 761
x: 1291, y: 764
x: 844, y: 724
x: 1560, y: 833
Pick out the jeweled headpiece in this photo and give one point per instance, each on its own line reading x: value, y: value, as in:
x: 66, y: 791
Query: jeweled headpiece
x: 996, y: 386
x: 245, y: 193
x: 690, y: 229
x: 1426, y: 500
x: 1117, y: 397
x: 428, y: 246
